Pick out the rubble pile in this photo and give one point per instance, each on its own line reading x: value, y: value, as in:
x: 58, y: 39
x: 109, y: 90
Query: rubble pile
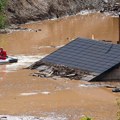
x: 50, y: 70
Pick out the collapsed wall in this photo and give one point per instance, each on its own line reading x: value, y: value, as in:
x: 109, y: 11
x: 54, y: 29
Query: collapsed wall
x: 21, y: 11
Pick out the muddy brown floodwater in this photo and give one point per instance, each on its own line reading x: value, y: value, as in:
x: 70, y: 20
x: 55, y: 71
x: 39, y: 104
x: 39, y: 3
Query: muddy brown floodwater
x: 58, y: 98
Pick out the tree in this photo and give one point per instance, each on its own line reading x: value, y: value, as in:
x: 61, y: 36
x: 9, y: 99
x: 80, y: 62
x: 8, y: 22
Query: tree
x: 3, y: 4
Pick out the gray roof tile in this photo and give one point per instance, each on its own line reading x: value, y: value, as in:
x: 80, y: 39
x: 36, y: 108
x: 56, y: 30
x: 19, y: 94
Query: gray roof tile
x: 86, y: 54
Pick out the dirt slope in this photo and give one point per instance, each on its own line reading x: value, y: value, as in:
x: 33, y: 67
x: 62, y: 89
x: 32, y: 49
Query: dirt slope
x: 21, y: 11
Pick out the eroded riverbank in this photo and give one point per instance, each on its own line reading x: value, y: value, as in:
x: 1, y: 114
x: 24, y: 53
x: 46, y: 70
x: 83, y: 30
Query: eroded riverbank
x: 53, y: 98
x: 31, y: 10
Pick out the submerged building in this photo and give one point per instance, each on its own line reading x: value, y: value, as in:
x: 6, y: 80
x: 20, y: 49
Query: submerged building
x: 98, y: 60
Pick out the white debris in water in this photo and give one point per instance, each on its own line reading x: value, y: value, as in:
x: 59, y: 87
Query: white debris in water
x: 46, y: 47
x: 86, y: 12
x: 35, y: 93
x: 84, y: 85
x: 23, y: 61
x: 51, y: 46
x: 45, y: 93
x: 8, y: 117
x: 28, y: 94
x: 106, y: 1
x: 4, y: 117
x: 93, y: 85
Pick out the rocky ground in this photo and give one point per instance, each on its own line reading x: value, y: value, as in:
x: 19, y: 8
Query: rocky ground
x: 21, y: 11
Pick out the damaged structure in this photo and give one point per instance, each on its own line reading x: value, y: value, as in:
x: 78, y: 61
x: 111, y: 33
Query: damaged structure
x: 82, y: 59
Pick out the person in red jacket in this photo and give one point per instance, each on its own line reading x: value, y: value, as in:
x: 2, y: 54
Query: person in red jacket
x: 3, y: 54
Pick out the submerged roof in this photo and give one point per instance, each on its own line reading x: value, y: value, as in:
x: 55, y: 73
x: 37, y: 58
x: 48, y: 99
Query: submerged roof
x: 97, y: 57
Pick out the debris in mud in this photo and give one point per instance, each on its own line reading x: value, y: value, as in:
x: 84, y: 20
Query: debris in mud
x: 49, y: 70
x: 116, y: 90
x: 97, y: 85
x: 13, y: 28
x: 49, y: 117
x: 107, y: 41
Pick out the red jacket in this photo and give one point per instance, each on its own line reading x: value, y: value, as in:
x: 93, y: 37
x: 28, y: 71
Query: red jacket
x: 3, y: 55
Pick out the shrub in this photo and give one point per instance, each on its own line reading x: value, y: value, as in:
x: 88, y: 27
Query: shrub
x: 3, y: 4
x: 2, y: 21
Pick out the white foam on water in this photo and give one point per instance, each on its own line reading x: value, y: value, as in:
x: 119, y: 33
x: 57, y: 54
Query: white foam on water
x: 8, y: 117
x: 45, y: 93
x: 92, y: 85
x: 23, y: 61
x: 28, y: 94
x: 35, y: 93
x: 51, y: 46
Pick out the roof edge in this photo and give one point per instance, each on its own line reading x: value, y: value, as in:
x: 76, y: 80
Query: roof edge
x: 102, y: 74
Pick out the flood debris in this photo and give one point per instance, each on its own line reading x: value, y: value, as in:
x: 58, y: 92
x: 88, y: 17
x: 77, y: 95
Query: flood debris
x: 48, y: 117
x: 97, y: 85
x: 16, y: 28
x: 49, y: 70
x: 116, y: 90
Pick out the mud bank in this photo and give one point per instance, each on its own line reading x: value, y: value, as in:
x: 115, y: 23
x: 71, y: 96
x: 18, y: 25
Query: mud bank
x: 32, y: 10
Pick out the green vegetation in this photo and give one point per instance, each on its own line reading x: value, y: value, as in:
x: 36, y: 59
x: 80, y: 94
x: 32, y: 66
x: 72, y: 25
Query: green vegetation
x: 2, y: 21
x: 86, y: 118
x: 3, y: 4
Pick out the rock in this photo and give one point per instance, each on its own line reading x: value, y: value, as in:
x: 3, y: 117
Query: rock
x: 3, y: 31
x: 22, y: 11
